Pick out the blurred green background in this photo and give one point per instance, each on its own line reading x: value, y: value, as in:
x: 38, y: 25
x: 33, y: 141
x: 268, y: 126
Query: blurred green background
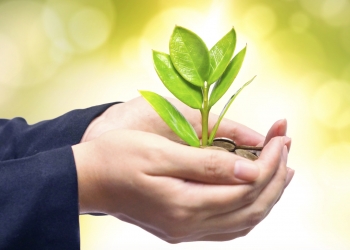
x: 59, y: 55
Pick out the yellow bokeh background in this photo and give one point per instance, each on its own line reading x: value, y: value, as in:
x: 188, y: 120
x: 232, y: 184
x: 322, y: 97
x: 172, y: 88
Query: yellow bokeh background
x: 59, y: 55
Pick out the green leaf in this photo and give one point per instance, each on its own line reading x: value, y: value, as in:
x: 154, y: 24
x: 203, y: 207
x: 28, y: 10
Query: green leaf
x: 223, y: 84
x: 224, y: 110
x: 172, y: 117
x: 186, y: 92
x: 220, y: 55
x: 190, y: 55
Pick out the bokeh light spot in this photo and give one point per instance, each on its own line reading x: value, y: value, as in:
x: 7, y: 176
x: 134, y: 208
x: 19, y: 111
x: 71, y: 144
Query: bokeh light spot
x: 299, y: 22
x: 312, y: 6
x: 336, y: 12
x: 89, y: 28
x: 331, y: 104
x: 54, y: 28
x: 331, y: 8
x: 10, y: 60
x: 260, y: 21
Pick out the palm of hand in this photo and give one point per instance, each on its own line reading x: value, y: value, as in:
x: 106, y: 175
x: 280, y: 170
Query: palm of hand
x: 137, y: 114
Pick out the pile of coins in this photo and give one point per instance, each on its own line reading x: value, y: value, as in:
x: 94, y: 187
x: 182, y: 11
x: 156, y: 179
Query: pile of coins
x: 229, y: 145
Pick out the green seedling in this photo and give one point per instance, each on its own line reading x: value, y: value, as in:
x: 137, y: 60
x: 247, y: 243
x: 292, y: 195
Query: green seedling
x: 188, y: 72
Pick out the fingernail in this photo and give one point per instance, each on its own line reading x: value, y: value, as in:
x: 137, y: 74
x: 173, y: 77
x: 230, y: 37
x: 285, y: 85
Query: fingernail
x: 246, y: 171
x: 287, y: 139
x: 289, y: 177
x: 283, y: 129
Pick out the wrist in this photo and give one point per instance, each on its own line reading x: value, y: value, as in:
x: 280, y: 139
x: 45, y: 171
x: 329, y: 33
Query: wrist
x: 88, y: 189
x: 89, y: 133
x: 107, y: 121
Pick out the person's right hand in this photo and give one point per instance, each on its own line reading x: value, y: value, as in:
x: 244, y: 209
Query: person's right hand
x: 137, y: 114
x: 176, y: 192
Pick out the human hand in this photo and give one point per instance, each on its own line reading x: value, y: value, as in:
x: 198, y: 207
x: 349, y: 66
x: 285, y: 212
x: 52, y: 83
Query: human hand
x: 137, y: 114
x: 176, y: 192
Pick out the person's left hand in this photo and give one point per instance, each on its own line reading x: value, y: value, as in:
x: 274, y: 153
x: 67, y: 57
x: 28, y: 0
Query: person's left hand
x: 182, y: 194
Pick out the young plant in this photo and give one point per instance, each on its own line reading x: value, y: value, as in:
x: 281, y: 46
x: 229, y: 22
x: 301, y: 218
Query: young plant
x: 188, y: 73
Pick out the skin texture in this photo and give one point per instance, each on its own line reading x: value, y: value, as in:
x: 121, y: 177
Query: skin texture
x: 129, y: 166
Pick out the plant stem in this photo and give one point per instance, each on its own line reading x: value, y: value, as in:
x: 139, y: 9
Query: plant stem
x: 205, y: 114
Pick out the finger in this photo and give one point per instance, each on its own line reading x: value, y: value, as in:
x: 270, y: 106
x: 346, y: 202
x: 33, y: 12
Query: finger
x: 241, y: 134
x: 225, y: 236
x: 215, y: 200
x: 204, y: 165
x: 250, y: 216
x: 290, y: 174
x: 279, y: 128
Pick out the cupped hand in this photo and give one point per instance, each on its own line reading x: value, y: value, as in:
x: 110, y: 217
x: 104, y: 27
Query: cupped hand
x: 176, y: 192
x: 137, y: 114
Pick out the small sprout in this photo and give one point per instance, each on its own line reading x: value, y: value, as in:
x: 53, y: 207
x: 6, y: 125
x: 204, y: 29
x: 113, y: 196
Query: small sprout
x: 188, y: 72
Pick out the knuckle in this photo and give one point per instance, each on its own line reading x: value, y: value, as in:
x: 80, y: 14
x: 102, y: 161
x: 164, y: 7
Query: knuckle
x: 180, y: 215
x: 177, y: 220
x: 212, y: 167
x: 281, y: 176
x: 256, y: 217
x: 181, y: 222
x: 276, y: 139
x: 251, y: 194
x: 283, y: 180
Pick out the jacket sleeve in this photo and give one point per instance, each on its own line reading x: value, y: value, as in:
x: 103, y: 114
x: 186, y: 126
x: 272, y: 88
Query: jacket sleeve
x: 38, y: 181
x: 18, y: 139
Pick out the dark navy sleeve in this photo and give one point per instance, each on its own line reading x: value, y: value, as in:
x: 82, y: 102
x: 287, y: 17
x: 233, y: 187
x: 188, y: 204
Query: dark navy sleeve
x: 38, y: 181
x: 18, y: 139
x: 39, y: 202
